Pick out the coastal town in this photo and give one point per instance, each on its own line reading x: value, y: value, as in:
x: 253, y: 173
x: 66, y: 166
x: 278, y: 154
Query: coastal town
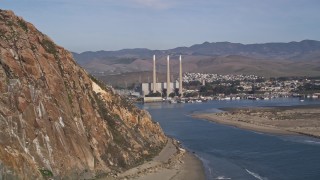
x: 191, y: 77
x: 244, y: 85
x: 205, y: 86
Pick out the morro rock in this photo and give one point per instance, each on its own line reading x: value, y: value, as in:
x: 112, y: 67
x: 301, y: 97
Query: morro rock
x: 58, y: 122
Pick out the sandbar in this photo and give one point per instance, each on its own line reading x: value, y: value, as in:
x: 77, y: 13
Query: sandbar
x: 276, y: 120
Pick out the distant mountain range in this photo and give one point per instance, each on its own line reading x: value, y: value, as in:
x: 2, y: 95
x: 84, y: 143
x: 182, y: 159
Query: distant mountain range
x: 268, y: 59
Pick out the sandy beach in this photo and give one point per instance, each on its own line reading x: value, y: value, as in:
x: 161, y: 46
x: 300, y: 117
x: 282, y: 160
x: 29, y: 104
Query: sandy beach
x: 276, y: 120
x: 172, y: 163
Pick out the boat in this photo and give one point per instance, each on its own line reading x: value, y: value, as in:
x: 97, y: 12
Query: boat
x: 252, y: 98
x: 172, y: 102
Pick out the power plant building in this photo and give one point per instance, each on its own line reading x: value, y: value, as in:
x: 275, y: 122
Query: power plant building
x: 153, y: 87
x: 147, y: 88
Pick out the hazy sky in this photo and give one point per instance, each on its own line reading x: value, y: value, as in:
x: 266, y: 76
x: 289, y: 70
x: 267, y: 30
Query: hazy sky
x: 82, y: 25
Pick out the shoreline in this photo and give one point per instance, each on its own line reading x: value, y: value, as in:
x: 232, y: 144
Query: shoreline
x: 308, y: 106
x: 242, y: 125
x: 173, y: 162
x: 284, y: 120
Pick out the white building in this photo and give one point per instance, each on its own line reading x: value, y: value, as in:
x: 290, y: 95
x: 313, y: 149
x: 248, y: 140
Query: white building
x: 146, y: 88
x: 169, y: 86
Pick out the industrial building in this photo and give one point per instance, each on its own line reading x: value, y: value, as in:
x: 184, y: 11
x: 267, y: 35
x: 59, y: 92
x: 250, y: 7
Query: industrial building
x: 163, y: 87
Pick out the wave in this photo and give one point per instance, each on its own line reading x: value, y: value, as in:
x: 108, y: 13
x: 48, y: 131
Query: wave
x: 258, y: 132
x: 303, y: 140
x: 257, y: 176
x: 222, y: 177
x: 312, y: 142
x: 205, y: 163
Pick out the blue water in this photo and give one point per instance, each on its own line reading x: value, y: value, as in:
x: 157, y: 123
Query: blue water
x: 231, y: 153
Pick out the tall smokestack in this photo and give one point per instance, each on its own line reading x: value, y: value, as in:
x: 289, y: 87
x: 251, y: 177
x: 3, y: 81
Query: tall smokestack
x: 154, y: 75
x: 168, y: 76
x: 180, y: 76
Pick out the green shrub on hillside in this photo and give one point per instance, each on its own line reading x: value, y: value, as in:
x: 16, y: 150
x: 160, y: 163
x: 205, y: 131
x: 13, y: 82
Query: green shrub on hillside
x: 46, y: 173
x: 23, y: 25
x: 49, y: 46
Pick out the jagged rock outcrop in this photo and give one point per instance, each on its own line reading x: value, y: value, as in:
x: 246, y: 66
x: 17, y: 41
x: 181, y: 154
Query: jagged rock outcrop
x: 55, y: 121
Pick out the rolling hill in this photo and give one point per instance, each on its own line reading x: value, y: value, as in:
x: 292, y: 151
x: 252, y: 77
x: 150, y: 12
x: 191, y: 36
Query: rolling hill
x: 268, y: 59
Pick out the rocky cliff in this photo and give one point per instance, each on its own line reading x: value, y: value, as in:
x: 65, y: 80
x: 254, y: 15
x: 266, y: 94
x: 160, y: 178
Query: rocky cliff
x: 55, y: 121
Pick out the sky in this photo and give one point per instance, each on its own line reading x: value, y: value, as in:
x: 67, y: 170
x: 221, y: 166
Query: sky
x: 93, y: 25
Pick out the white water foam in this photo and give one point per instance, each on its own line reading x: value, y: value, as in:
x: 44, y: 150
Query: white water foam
x: 205, y: 163
x: 312, y: 142
x: 222, y: 177
x: 257, y: 132
x: 208, y: 170
x: 257, y: 176
x: 304, y: 140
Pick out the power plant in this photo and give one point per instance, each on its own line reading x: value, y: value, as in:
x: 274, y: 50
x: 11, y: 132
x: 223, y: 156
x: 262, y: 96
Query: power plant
x: 180, y: 75
x: 167, y: 87
x: 168, y: 76
x: 154, y: 75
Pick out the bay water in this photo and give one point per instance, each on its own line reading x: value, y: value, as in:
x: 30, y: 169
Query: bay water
x: 232, y: 153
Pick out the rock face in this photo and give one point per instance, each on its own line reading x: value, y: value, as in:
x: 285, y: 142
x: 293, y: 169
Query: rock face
x: 55, y: 121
